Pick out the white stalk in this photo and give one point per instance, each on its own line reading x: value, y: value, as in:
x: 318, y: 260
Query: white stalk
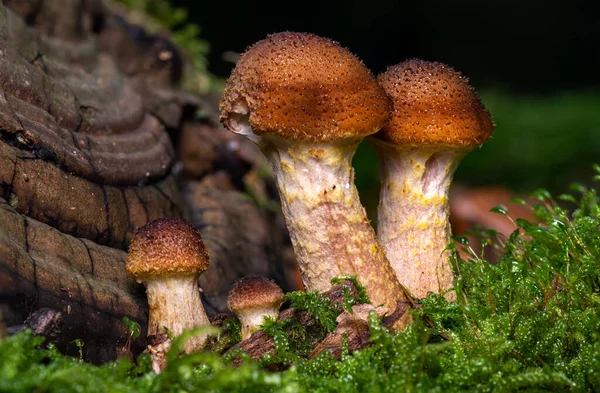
x: 413, y: 224
x: 174, y: 303
x: 252, y: 319
x: 327, y: 223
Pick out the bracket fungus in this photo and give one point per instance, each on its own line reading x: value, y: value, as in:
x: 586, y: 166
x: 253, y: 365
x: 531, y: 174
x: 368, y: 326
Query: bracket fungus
x: 168, y: 256
x: 437, y: 119
x: 307, y: 103
x: 253, y: 299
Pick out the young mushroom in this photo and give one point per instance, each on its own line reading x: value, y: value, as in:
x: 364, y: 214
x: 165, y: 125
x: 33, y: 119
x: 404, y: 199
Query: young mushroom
x: 253, y: 299
x: 437, y: 119
x: 307, y: 102
x: 168, y: 256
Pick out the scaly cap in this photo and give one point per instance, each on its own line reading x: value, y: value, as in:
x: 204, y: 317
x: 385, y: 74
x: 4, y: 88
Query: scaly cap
x: 254, y: 292
x: 166, y: 246
x: 303, y: 87
x: 433, y: 105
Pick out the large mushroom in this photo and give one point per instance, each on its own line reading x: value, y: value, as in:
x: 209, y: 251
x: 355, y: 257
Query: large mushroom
x: 307, y: 102
x: 437, y: 119
x: 168, y: 256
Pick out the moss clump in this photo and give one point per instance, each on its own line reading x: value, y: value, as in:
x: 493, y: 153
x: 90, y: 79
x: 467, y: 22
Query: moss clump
x: 351, y: 299
x: 315, y: 316
x: 230, y: 334
x: 24, y: 367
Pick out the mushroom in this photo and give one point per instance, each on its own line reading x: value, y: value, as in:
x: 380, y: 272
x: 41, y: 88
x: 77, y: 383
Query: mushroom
x: 437, y: 119
x: 253, y: 299
x: 168, y: 256
x: 307, y: 102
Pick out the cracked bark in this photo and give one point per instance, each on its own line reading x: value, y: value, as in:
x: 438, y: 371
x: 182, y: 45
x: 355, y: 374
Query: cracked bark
x: 49, y: 270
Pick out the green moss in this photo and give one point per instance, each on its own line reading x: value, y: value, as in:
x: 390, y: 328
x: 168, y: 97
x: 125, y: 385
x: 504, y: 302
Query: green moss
x: 317, y: 305
x: 293, y: 340
x: 229, y: 335
x: 350, y: 299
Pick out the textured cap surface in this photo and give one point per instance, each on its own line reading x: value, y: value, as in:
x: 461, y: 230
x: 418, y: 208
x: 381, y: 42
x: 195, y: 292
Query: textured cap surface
x: 433, y: 105
x: 254, y: 292
x: 303, y: 87
x: 166, y: 246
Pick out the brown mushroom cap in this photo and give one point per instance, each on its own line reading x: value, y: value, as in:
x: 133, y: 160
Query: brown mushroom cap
x: 433, y: 105
x: 303, y: 87
x: 254, y: 292
x: 166, y: 246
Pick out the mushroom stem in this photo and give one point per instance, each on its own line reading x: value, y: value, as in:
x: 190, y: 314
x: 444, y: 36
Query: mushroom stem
x: 413, y: 214
x: 436, y: 119
x: 167, y: 310
x: 250, y: 321
x: 327, y: 223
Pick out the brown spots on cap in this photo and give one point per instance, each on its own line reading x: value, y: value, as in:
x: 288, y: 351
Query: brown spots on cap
x: 166, y: 246
x: 433, y: 105
x: 254, y: 292
x: 303, y: 87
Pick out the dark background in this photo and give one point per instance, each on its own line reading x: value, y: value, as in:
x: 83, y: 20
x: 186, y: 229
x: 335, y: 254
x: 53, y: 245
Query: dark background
x: 520, y: 46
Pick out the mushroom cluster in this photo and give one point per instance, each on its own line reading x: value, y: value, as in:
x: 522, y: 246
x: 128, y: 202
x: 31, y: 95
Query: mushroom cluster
x: 307, y: 103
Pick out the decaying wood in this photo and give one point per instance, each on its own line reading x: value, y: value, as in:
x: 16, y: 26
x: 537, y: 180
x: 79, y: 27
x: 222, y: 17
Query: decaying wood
x: 70, y: 131
x: 103, y: 213
x: 78, y: 18
x: 352, y: 327
x: 157, y: 348
x: 47, y: 265
x: 224, y: 340
x: 205, y: 150
x: 154, y: 67
x: 42, y: 322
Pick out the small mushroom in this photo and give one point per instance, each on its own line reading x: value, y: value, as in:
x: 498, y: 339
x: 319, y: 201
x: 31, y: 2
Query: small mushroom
x: 437, y: 119
x: 168, y: 256
x: 253, y: 299
x: 307, y: 102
